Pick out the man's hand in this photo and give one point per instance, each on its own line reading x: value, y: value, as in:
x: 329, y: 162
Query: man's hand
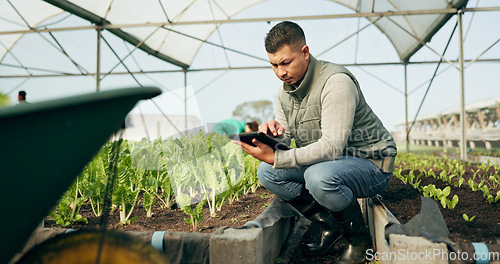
x: 272, y: 128
x: 261, y: 152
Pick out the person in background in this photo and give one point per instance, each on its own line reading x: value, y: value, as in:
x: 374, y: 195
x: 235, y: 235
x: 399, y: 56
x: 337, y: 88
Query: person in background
x: 343, y: 150
x: 234, y: 126
x: 252, y: 126
x: 21, y: 97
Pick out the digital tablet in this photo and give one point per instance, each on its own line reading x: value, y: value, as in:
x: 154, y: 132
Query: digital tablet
x: 260, y: 136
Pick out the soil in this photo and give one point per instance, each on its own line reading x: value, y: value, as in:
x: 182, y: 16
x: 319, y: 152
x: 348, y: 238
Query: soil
x: 401, y: 199
x: 404, y: 203
x: 247, y: 208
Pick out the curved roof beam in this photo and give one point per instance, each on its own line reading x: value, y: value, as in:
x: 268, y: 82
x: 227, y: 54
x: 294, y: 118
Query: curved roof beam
x: 178, y: 43
x: 405, y: 52
x: 80, y: 12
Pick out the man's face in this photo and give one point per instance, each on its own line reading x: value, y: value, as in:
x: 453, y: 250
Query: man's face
x: 290, y: 63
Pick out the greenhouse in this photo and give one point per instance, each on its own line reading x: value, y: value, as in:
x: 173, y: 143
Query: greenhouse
x: 111, y: 116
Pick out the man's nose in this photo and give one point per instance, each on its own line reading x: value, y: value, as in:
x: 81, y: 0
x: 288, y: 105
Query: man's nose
x: 282, y: 71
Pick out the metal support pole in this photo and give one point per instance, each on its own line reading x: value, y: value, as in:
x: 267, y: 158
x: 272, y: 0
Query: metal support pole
x: 463, y: 142
x: 98, y: 67
x: 185, y: 101
x: 406, y: 111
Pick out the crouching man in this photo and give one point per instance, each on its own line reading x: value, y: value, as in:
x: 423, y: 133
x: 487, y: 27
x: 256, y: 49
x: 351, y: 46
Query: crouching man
x: 343, y: 150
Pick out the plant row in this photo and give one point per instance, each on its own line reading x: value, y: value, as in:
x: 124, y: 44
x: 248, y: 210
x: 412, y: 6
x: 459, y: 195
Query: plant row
x: 483, y: 177
x: 191, y: 171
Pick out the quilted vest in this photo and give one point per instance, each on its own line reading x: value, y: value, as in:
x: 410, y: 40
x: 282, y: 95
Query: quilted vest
x: 302, y: 109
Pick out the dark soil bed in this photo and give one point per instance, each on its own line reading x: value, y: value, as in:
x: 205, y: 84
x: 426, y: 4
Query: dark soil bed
x: 404, y: 202
x: 247, y: 208
x: 401, y: 199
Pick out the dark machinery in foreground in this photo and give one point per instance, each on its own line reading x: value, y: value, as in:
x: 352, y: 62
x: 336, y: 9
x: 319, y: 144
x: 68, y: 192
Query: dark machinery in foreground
x: 43, y: 148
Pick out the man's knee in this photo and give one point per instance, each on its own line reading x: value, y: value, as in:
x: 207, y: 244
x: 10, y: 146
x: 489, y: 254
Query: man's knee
x: 263, y: 173
x: 316, y: 180
x: 314, y: 184
x: 323, y: 189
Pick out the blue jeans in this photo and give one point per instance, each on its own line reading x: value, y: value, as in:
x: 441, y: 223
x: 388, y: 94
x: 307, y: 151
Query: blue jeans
x: 333, y: 184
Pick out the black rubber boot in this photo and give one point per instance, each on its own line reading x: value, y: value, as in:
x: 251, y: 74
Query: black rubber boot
x: 355, y: 232
x: 312, y: 210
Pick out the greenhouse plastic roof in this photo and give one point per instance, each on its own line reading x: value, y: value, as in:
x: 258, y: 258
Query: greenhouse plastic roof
x: 187, y: 23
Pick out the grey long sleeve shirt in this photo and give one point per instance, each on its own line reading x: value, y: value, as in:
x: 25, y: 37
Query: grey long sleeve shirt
x: 339, y: 99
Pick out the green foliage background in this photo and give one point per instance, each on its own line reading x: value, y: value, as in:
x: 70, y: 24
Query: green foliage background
x: 4, y: 100
x: 191, y: 171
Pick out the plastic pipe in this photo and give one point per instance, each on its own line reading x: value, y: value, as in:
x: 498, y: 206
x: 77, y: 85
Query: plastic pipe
x: 481, y: 253
x: 157, y: 240
x: 253, y: 223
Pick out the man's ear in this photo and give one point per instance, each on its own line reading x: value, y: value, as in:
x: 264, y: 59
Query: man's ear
x: 305, y: 51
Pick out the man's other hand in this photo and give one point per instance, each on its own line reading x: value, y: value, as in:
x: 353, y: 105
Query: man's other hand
x: 261, y: 152
x: 272, y: 128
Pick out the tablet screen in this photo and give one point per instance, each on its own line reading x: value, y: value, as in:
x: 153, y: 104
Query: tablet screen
x: 260, y: 136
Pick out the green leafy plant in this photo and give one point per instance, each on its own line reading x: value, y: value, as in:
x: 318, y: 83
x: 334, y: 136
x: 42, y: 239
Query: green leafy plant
x: 440, y: 195
x: 431, y: 174
x: 209, y: 170
x: 485, y: 177
x: 214, y: 179
x: 452, y: 203
x: 128, y: 221
x: 397, y: 174
x: 414, y: 180
x: 93, y: 180
x: 146, y: 158
x: 195, y: 214
x: 127, y: 187
x: 65, y: 214
x: 67, y: 211
x: 149, y: 195
x: 466, y: 218
x: 459, y: 182
x: 473, y: 185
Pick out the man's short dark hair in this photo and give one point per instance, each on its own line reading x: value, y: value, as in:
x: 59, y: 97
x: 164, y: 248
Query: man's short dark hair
x: 22, y: 95
x: 284, y: 33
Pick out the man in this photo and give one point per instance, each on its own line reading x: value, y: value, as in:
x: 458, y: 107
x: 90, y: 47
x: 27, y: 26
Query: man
x: 343, y: 150
x: 21, y: 97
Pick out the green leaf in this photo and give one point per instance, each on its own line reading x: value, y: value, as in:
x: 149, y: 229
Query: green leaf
x: 473, y: 185
x: 466, y: 218
x: 446, y: 191
x: 460, y: 182
x: 453, y: 202
x: 443, y: 202
x: 486, y: 190
x: 426, y: 191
